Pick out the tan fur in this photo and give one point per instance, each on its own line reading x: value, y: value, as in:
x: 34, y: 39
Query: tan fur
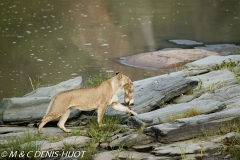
x: 87, y: 99
x: 128, y: 94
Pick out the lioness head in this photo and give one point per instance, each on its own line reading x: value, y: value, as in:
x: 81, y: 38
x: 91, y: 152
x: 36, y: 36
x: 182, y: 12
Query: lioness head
x: 128, y: 96
x: 128, y: 89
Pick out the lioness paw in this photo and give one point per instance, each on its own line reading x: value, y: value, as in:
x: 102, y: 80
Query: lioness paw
x: 102, y: 125
x: 134, y: 113
x: 67, y: 130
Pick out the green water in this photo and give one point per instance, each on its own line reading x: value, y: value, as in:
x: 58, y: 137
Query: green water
x: 51, y: 41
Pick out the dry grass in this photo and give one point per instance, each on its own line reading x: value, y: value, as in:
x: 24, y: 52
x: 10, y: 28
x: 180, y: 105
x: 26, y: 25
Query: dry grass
x: 190, y: 113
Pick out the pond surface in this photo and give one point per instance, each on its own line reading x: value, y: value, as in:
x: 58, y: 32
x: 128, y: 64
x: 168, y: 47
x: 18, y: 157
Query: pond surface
x: 51, y: 41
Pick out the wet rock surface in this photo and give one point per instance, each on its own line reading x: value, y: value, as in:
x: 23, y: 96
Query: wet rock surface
x: 186, y: 42
x: 222, y: 49
x: 210, y: 61
x: 166, y: 59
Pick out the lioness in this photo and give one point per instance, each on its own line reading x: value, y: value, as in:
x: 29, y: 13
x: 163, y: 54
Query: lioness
x: 87, y: 99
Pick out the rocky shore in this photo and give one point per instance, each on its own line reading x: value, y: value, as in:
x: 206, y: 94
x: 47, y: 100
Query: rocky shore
x: 189, y: 114
x: 171, y: 58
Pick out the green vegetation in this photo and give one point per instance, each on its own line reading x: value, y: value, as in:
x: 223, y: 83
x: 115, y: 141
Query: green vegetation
x: 120, y: 149
x: 183, y: 152
x: 77, y: 132
x: 26, y: 143
x: 90, y: 149
x: 30, y: 85
x: 218, y: 85
x: 237, y: 52
x: 190, y: 113
x: 31, y: 141
x: 200, y: 84
x: 231, y: 144
x: 141, y: 129
x: 100, y: 134
x: 226, y: 65
x: 97, y: 79
x: 164, y: 105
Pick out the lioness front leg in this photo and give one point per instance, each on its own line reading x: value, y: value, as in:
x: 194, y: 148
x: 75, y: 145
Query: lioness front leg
x: 63, y: 119
x: 118, y: 106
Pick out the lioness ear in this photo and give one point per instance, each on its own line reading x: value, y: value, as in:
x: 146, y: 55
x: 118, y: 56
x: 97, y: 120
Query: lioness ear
x: 117, y: 73
x: 119, y: 76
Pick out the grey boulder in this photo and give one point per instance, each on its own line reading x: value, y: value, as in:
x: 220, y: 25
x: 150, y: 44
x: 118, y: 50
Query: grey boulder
x: 32, y: 106
x: 162, y: 115
x: 210, y: 61
x: 151, y: 93
x: 187, y: 128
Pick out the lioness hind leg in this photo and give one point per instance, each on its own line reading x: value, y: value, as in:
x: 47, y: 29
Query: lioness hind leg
x: 63, y: 119
x: 118, y: 106
x: 101, y: 111
x: 45, y: 120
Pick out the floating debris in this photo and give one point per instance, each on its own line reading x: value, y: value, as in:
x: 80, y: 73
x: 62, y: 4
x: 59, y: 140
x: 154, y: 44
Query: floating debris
x: 104, y: 45
x: 40, y: 60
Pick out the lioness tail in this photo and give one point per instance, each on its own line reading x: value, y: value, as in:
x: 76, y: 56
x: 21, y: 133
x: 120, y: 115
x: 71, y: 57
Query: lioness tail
x: 50, y: 105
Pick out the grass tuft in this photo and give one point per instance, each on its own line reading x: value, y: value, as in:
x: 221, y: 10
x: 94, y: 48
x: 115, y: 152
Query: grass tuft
x: 27, y: 143
x: 100, y: 134
x: 226, y: 65
x: 231, y: 145
x: 97, y: 79
x: 190, y: 113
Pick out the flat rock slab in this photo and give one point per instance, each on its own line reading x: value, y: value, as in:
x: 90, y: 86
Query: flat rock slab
x: 5, y: 130
x: 186, y: 128
x: 78, y: 141
x: 165, y: 59
x: 230, y: 95
x: 151, y: 93
x: 210, y: 61
x: 186, y: 42
x: 213, y: 80
x: 32, y: 107
x: 110, y: 155
x: 146, y: 147
x: 9, y: 132
x: 222, y: 49
x: 162, y: 115
x: 132, y: 140
x: 183, y: 147
x: 195, y: 148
